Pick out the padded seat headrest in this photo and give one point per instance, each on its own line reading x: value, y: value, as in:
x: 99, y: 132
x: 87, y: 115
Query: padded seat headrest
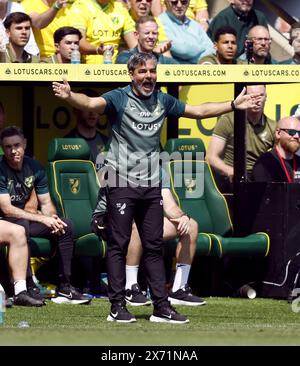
x: 68, y: 148
x: 182, y: 145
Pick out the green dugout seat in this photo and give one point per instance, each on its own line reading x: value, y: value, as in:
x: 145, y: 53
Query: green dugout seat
x: 74, y: 186
x: 40, y: 247
x: 190, y: 148
x: 193, y: 186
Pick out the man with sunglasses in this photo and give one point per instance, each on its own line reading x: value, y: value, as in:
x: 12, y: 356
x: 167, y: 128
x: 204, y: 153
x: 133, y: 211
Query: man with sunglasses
x: 281, y: 164
x: 189, y: 41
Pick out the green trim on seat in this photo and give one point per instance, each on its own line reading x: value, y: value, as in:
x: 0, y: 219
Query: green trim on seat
x: 210, y: 244
x: 268, y: 241
x: 250, y: 245
x: 90, y: 245
x: 217, y: 250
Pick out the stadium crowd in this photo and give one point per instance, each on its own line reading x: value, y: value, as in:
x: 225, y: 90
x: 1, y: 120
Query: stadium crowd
x: 185, y: 32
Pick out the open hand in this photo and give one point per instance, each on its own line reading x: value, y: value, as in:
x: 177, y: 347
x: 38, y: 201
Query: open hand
x: 163, y: 47
x: 245, y: 101
x: 61, y: 90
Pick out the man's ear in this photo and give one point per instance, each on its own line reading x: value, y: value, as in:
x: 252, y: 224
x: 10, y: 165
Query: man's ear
x: 25, y: 143
x: 130, y: 75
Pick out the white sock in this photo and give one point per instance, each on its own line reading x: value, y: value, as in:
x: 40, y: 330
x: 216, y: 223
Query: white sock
x: 1, y: 288
x: 34, y: 279
x: 131, y: 276
x: 181, y: 276
x: 20, y: 286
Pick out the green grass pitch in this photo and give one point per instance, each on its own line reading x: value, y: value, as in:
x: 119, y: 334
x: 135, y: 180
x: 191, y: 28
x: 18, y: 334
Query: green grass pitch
x: 223, y: 321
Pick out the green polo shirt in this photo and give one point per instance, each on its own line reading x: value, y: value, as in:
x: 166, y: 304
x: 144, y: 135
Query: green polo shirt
x: 259, y: 138
x: 8, y: 56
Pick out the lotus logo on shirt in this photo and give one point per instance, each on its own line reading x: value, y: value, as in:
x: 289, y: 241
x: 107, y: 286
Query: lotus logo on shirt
x: 146, y: 126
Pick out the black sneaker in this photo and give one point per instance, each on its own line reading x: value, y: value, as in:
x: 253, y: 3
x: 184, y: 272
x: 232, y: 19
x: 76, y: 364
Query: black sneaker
x: 135, y: 297
x: 184, y: 296
x: 167, y: 314
x: 69, y: 295
x: 8, y: 302
x: 24, y: 299
x: 35, y: 293
x: 120, y: 314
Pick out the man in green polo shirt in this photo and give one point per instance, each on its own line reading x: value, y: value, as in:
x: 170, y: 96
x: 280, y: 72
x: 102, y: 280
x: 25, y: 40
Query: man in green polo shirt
x: 17, y: 27
x: 260, y: 132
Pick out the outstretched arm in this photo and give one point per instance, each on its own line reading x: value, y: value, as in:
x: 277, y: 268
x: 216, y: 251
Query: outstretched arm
x: 78, y: 100
x: 207, y: 110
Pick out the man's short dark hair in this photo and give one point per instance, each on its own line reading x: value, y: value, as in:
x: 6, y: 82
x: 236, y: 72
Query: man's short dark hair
x: 144, y: 19
x: 16, y: 17
x: 11, y: 131
x: 226, y: 29
x: 1, y: 107
x: 140, y: 59
x: 61, y: 32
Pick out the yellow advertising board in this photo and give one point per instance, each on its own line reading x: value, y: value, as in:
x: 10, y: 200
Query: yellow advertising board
x: 54, y: 118
x: 165, y: 73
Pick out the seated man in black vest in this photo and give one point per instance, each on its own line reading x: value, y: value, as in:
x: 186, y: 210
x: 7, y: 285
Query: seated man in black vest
x: 281, y: 164
x: 19, y: 176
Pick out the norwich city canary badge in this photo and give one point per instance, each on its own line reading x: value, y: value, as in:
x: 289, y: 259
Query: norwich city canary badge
x: 74, y: 185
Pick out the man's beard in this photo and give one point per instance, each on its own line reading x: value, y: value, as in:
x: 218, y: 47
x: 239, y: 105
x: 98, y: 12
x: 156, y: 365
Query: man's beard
x: 290, y: 146
x: 139, y: 87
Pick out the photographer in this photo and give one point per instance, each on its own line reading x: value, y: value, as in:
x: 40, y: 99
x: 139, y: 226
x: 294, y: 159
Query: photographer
x: 257, y: 47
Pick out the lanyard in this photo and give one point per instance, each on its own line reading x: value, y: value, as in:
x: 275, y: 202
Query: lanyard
x: 287, y: 174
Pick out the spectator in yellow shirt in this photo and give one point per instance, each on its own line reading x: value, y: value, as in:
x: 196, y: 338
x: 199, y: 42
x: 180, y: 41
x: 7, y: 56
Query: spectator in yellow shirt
x: 102, y: 23
x: 47, y: 16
